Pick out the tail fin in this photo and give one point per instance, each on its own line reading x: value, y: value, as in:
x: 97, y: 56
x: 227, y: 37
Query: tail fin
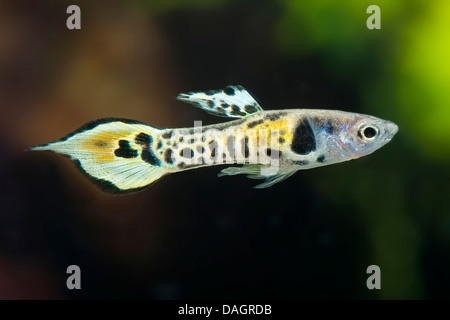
x: 117, y: 154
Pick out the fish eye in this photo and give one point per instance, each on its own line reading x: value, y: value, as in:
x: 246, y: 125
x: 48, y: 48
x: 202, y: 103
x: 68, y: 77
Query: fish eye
x: 368, y: 133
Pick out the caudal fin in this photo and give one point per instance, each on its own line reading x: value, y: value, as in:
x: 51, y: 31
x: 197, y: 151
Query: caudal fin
x: 117, y: 154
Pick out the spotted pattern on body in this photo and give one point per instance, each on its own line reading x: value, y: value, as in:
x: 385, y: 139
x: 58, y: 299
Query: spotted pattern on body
x: 240, y: 142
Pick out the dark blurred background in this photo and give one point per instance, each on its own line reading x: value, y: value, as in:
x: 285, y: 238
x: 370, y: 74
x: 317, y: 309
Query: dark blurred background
x: 193, y: 235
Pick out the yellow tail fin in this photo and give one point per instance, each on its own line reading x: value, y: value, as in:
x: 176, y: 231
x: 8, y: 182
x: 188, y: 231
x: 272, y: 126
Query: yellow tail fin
x: 117, y: 154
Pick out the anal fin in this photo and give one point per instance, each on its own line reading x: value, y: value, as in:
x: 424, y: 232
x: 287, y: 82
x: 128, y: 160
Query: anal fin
x: 270, y: 181
x: 257, y: 171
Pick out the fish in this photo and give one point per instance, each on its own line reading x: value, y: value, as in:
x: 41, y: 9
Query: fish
x: 125, y: 156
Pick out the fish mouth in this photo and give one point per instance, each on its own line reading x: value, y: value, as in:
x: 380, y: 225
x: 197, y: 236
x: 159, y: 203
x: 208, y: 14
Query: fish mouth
x: 391, y: 130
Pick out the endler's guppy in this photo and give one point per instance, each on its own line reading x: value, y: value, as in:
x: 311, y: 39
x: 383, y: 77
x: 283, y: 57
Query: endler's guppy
x: 123, y: 155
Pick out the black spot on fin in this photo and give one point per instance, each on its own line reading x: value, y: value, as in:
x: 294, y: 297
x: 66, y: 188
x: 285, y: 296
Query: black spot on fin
x: 149, y: 157
x: 229, y: 91
x: 144, y: 139
x: 125, y: 151
x: 233, y: 101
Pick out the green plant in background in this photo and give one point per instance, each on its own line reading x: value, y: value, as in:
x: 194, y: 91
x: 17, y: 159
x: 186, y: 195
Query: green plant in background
x: 422, y: 76
x: 402, y: 73
x: 407, y: 61
x: 405, y: 68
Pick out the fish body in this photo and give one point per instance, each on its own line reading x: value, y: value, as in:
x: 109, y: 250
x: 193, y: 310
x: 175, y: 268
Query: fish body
x: 123, y: 155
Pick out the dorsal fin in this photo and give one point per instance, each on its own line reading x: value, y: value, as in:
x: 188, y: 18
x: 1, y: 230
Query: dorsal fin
x: 233, y: 101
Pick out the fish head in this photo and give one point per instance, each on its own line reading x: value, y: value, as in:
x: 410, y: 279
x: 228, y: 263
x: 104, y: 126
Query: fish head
x: 358, y: 135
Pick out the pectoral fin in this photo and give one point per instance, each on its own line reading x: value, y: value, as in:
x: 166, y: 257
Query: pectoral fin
x: 251, y: 169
